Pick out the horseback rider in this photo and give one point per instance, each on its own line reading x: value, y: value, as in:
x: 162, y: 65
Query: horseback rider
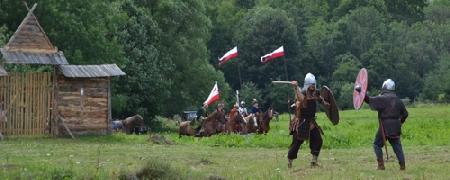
x: 254, y: 111
x: 391, y: 114
x: 201, y: 115
x: 303, y: 126
x: 242, y: 110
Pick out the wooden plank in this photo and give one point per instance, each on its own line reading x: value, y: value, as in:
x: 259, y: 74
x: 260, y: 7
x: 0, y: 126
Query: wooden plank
x: 14, y: 104
x: 34, y: 104
x: 41, y: 103
x: 65, y: 127
x: 54, y: 105
x: 20, y: 104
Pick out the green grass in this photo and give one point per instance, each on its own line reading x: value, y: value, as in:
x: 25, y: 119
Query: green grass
x: 347, y: 153
x: 427, y: 125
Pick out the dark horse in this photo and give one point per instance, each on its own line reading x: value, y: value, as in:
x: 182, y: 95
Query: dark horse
x: 264, y: 121
x: 213, y: 124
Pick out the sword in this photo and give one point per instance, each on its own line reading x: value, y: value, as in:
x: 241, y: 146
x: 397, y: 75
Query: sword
x: 284, y: 82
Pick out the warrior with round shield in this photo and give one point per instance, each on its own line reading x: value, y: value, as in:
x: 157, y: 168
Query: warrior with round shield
x: 391, y: 115
x: 304, y: 126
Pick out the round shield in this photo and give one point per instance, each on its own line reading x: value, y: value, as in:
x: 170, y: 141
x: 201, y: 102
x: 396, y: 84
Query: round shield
x: 330, y: 106
x: 360, y: 89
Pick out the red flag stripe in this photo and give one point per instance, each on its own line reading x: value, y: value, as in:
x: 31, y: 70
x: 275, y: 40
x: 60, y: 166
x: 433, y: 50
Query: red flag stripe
x: 228, y: 56
x: 275, y: 54
x: 213, y: 96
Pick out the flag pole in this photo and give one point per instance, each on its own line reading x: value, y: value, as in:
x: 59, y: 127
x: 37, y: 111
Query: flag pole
x: 287, y: 93
x: 239, y: 74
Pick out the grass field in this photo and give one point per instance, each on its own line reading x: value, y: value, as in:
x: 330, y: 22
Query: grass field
x: 347, y: 153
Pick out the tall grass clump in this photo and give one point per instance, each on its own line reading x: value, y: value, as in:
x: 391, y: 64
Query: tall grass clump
x: 154, y: 169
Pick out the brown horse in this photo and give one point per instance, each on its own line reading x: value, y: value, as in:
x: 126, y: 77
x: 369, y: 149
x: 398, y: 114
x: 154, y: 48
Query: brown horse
x: 132, y: 122
x: 264, y: 121
x: 235, y: 122
x: 213, y: 124
x: 185, y: 129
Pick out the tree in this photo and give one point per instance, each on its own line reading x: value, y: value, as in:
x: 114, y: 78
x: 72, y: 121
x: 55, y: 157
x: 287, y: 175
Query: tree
x: 406, y: 10
x: 343, y: 78
x: 437, y: 82
x: 186, y: 31
x: 261, y: 31
x: 144, y: 89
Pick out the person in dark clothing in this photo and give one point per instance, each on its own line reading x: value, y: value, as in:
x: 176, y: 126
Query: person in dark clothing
x: 391, y: 114
x: 303, y: 126
x: 201, y: 114
x: 254, y: 112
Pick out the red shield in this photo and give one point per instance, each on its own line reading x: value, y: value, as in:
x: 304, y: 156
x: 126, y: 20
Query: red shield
x: 361, y: 82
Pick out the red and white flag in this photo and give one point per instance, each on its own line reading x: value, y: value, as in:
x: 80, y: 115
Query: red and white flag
x: 228, y: 56
x: 213, y: 96
x: 275, y: 54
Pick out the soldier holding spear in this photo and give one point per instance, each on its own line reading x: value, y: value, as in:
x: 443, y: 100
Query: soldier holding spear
x: 391, y: 115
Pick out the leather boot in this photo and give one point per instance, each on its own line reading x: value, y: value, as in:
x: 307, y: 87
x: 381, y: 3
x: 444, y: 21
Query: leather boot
x: 402, y: 166
x: 290, y: 163
x: 380, y: 164
x: 314, y: 162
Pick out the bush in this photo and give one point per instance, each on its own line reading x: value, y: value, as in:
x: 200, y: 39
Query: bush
x: 154, y: 169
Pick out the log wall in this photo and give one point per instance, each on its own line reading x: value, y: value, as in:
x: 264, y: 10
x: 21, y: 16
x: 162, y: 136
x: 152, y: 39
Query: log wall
x: 83, y: 104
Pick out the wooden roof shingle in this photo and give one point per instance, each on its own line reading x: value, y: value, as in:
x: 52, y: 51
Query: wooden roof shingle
x: 90, y: 71
x: 30, y: 44
x: 21, y: 57
x: 30, y: 36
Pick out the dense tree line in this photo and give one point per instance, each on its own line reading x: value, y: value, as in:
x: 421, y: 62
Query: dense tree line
x: 169, y: 48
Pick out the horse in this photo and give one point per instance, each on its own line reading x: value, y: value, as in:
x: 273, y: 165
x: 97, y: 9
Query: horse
x: 235, y: 122
x: 213, y: 124
x: 131, y: 123
x: 185, y: 129
x: 251, y: 124
x: 264, y: 121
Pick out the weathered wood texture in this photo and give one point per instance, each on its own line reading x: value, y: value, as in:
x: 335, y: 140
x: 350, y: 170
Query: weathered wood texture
x: 91, y: 71
x: 21, y: 57
x: 83, y: 103
x: 30, y: 45
x: 27, y: 99
x: 30, y: 36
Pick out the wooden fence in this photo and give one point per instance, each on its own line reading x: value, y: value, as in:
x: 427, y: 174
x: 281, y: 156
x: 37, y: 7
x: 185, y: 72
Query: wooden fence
x: 27, y: 98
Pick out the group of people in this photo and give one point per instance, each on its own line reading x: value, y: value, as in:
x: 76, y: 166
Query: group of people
x: 391, y: 114
x: 252, y: 114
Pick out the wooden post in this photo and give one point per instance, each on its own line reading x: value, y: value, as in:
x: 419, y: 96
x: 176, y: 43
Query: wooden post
x: 239, y: 73
x: 61, y: 121
x: 108, y: 121
x: 54, y: 109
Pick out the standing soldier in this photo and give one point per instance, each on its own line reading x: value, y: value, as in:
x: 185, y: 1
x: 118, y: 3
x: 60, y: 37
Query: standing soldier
x: 391, y: 114
x: 304, y: 126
